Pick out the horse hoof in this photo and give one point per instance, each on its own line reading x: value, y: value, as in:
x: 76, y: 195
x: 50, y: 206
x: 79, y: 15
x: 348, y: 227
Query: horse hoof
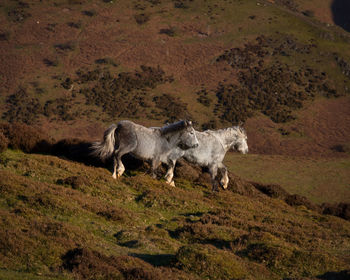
x: 172, y: 183
x: 114, y: 176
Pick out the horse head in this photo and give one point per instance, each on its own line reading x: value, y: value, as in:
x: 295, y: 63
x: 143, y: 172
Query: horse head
x: 188, y: 138
x: 240, y: 143
x: 183, y: 131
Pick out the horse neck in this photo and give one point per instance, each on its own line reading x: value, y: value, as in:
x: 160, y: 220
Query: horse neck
x: 173, y: 138
x: 227, y: 137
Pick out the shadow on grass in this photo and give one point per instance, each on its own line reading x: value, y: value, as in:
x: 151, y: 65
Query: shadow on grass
x: 341, y: 275
x: 156, y: 260
x: 80, y: 151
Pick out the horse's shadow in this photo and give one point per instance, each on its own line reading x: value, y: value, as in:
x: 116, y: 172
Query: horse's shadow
x: 80, y: 151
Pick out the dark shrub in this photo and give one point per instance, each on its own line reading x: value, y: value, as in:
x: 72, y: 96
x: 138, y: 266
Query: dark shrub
x: 50, y: 62
x: 22, y: 107
x: 89, y: 13
x: 3, y: 142
x: 4, y: 36
x: 106, y: 60
x: 265, y: 253
x: 308, y: 13
x: 19, y: 13
x: 272, y: 190
x: 168, y: 31
x: 74, y: 24
x: 60, y: 108
x: 341, y: 210
x: 171, y: 107
x: 298, y: 200
x: 267, y: 85
x: 67, y: 83
x: 212, y: 124
x: 26, y: 138
x: 141, y: 18
x: 87, y: 264
x: 338, y: 148
x: 182, y: 4
x: 124, y: 95
x: 68, y: 46
x: 76, y: 2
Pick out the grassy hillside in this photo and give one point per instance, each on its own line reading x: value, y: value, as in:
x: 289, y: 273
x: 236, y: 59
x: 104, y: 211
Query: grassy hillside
x: 65, y: 220
x: 70, y: 68
x: 69, y: 65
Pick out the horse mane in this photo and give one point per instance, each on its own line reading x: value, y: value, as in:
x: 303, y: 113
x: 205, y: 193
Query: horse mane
x: 173, y: 127
x: 240, y: 129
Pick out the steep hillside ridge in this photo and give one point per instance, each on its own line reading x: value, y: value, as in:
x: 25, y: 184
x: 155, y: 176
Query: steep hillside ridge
x: 65, y: 220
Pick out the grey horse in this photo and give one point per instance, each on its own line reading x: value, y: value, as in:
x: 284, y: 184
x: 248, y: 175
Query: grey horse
x: 212, y: 149
x: 158, y: 144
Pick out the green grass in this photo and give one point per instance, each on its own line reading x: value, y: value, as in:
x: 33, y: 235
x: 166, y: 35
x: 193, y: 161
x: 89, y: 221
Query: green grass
x: 186, y: 232
x: 186, y: 227
x: 18, y: 275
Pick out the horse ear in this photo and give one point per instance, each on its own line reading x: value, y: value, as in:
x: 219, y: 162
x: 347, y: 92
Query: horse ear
x: 188, y: 123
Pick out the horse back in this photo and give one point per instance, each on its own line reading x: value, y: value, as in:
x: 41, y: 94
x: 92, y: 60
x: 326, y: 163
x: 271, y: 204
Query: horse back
x: 209, y: 151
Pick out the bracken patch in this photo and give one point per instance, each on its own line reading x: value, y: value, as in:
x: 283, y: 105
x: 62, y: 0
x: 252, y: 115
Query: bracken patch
x: 267, y: 85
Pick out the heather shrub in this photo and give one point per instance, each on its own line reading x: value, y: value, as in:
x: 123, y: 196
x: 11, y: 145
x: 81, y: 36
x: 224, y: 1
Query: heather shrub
x: 26, y: 138
x: 3, y: 142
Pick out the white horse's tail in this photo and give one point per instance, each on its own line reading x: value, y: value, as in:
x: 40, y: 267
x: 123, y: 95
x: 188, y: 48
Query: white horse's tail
x: 105, y: 149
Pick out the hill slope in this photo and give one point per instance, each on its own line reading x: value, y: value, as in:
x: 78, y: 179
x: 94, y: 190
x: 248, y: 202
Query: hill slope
x: 69, y: 68
x: 73, y: 67
x: 65, y: 220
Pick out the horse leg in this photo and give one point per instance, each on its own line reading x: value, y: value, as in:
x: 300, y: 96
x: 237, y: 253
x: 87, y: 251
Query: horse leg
x: 224, y: 178
x: 118, y: 166
x: 213, y: 170
x: 155, y: 164
x: 170, y: 173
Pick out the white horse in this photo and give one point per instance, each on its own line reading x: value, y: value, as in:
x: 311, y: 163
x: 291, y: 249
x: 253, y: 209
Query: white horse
x: 164, y: 144
x: 212, y: 149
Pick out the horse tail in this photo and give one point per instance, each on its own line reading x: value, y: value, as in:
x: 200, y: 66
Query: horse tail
x: 105, y: 149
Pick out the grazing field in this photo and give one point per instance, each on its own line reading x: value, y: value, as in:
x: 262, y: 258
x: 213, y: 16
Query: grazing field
x: 319, y: 179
